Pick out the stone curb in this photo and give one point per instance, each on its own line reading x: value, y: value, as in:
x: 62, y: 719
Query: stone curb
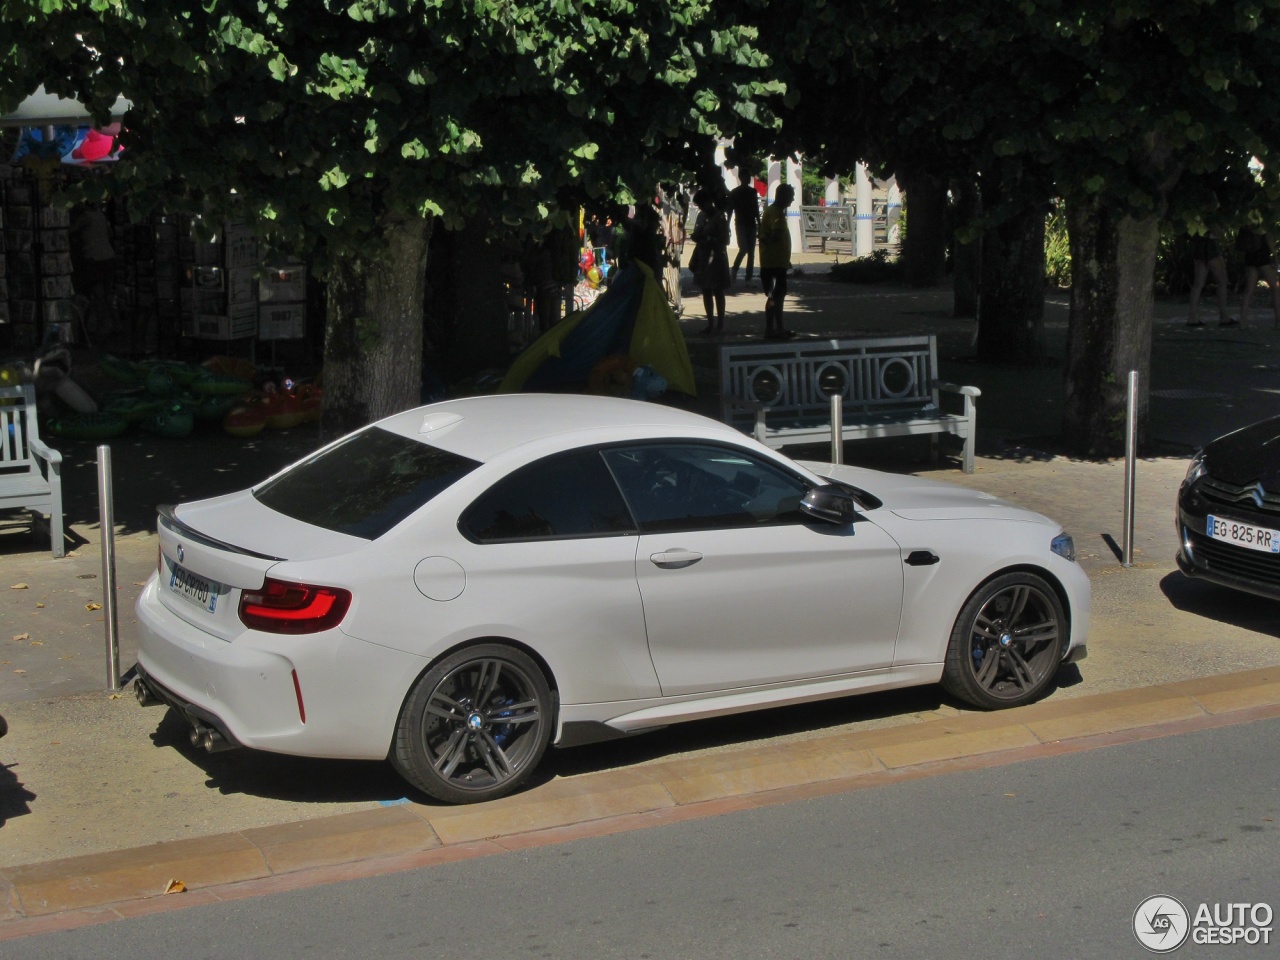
x: 103, y: 886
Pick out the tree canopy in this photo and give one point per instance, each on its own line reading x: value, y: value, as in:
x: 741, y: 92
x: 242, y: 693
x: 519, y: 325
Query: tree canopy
x: 322, y: 118
x: 344, y: 130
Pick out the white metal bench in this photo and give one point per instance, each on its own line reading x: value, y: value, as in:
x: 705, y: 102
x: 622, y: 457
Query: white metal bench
x: 781, y: 393
x: 30, y: 470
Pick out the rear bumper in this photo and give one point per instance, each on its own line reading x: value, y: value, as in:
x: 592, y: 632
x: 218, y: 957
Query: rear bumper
x: 194, y: 713
x: 343, y: 705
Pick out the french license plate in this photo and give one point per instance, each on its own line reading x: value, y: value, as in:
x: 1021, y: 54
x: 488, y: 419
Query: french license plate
x: 1243, y: 534
x: 190, y: 587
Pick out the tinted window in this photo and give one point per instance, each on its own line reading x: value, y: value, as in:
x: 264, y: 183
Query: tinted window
x: 700, y: 487
x: 566, y: 496
x: 364, y: 485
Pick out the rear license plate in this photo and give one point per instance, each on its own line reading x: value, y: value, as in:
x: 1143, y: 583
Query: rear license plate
x: 1243, y: 534
x: 197, y: 590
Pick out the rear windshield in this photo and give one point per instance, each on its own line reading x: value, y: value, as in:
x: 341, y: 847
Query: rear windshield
x: 364, y: 485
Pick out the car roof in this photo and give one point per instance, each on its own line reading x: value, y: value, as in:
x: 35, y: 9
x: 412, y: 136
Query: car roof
x: 481, y: 428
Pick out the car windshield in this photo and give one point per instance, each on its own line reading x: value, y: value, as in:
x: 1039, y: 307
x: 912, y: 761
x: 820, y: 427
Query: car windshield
x: 365, y: 484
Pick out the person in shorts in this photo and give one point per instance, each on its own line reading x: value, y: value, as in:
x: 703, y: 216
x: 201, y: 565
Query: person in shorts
x: 1255, y: 251
x: 775, y: 260
x: 1206, y: 259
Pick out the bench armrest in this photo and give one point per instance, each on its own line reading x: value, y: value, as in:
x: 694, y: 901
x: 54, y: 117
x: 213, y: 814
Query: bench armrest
x: 956, y: 388
x: 44, y: 451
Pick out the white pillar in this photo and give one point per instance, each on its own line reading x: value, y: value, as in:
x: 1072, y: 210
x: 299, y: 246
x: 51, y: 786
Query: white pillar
x: 793, y: 212
x: 833, y: 191
x: 893, y: 211
x: 864, y: 233
x: 775, y: 178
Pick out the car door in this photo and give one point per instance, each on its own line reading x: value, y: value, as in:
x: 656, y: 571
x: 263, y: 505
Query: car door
x: 551, y: 562
x: 739, y: 587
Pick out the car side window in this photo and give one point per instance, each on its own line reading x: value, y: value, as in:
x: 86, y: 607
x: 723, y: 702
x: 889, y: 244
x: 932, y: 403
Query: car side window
x: 565, y: 496
x: 693, y: 486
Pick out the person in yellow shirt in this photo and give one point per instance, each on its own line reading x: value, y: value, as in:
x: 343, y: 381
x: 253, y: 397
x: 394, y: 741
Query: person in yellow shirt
x: 775, y: 260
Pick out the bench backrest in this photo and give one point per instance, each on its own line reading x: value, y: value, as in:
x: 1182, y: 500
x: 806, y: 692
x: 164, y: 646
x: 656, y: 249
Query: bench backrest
x: 17, y: 427
x: 883, y: 375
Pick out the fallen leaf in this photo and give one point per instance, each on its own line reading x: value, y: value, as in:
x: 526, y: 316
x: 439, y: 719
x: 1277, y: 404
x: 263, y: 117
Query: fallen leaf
x: 176, y: 886
x: 67, y: 656
x: 139, y: 583
x: 5, y: 663
x: 19, y: 586
x: 37, y: 643
x: 1010, y: 794
x: 39, y: 606
x: 93, y: 606
x: 22, y: 636
x: 19, y: 671
x: 114, y: 696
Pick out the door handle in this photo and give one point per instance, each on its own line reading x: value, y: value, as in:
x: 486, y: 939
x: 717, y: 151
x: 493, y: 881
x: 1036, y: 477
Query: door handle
x: 675, y: 559
x: 921, y: 558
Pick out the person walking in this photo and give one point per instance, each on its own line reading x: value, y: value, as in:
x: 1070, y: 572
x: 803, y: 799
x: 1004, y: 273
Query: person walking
x: 1206, y: 259
x: 744, y: 206
x: 710, y: 261
x: 1255, y: 250
x: 775, y: 260
x: 97, y: 264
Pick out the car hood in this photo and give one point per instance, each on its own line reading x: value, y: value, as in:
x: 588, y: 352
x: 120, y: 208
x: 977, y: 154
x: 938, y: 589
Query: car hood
x: 914, y: 498
x: 1250, y: 454
x: 240, y: 520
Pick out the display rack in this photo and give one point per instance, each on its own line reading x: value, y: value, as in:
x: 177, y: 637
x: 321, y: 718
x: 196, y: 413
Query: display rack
x: 36, y: 293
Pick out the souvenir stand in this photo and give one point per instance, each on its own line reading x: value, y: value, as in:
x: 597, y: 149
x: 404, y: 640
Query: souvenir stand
x: 36, y: 293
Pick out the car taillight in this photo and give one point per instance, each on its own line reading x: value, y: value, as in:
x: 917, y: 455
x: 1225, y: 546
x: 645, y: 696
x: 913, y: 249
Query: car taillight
x: 279, y: 606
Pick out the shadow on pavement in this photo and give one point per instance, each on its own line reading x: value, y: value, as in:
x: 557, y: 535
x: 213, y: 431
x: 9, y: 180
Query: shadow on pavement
x: 310, y: 780
x: 1234, y: 607
x: 15, y: 799
x: 281, y: 777
x: 307, y: 780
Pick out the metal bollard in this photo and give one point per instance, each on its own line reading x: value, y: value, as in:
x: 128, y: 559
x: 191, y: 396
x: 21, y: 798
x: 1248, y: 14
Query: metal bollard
x: 1130, y: 467
x: 837, y: 428
x: 106, y: 518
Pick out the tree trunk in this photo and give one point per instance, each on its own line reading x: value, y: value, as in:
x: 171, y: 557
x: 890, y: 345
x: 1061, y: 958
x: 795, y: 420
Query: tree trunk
x: 373, y: 330
x: 924, y: 250
x: 1112, y: 294
x: 966, y: 276
x: 1011, y: 314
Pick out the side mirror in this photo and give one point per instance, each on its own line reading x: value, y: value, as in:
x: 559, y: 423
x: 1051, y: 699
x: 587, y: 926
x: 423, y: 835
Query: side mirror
x: 830, y: 503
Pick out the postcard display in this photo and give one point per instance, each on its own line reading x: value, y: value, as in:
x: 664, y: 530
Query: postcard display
x: 218, y: 299
x: 36, y: 295
x: 147, y: 272
x: 282, y: 306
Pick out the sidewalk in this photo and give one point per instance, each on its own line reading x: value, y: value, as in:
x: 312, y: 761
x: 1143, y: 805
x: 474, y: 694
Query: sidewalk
x: 88, y: 783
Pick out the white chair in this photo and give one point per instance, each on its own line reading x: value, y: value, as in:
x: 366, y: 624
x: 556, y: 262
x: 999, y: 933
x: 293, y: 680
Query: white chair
x: 30, y: 470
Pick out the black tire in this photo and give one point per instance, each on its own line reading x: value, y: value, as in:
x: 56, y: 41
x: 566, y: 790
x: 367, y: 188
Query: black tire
x: 475, y: 725
x: 1007, y: 643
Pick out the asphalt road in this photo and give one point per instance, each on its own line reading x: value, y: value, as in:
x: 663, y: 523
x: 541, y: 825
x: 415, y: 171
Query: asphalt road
x: 1047, y: 858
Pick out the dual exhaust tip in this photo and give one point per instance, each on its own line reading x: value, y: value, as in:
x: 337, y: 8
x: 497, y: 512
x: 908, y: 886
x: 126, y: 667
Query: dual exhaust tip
x: 208, y: 738
x: 202, y: 736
